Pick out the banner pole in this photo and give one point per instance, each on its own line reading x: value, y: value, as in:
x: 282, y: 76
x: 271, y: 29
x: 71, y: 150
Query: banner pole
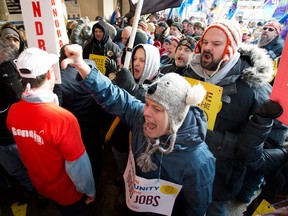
x: 133, y: 33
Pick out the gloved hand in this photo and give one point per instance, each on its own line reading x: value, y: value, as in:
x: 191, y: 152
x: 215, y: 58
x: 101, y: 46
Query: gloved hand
x: 267, y: 111
x: 125, y: 80
x: 111, y: 66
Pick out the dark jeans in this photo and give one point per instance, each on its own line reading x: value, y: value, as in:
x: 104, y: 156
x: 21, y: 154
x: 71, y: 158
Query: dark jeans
x: 75, y: 209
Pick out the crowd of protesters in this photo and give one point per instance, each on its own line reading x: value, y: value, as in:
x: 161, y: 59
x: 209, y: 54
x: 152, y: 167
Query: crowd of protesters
x: 170, y: 140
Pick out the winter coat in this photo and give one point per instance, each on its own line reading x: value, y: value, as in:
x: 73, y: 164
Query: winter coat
x: 105, y: 47
x: 173, y: 68
x: 10, y: 87
x: 245, y: 87
x: 190, y: 164
x: 275, y: 47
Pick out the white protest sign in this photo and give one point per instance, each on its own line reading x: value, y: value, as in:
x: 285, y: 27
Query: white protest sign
x: 45, y: 26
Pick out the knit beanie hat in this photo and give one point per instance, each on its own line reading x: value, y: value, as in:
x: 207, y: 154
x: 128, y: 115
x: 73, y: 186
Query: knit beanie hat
x: 233, y: 33
x: 199, y: 24
x: 162, y: 24
x: 140, y: 38
x: 176, y: 96
x: 157, y: 44
x: 185, y: 20
x: 143, y: 25
x: 9, y: 32
x: 178, y: 25
x: 170, y: 38
x: 274, y: 24
x: 188, y: 42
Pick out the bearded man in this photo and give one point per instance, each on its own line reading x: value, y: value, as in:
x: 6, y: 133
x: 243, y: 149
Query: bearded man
x: 271, y: 40
x: 243, y: 70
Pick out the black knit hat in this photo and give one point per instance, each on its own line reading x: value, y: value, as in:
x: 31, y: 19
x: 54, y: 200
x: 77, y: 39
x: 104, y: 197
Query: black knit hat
x: 185, y: 20
x: 140, y: 38
x: 178, y: 25
x: 199, y: 24
x: 188, y: 42
x: 162, y: 24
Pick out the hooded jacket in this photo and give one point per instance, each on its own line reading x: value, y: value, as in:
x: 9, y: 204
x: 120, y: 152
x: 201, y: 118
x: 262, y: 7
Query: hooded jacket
x: 190, y: 164
x: 245, y: 87
x: 152, y: 62
x: 10, y: 87
x: 105, y: 47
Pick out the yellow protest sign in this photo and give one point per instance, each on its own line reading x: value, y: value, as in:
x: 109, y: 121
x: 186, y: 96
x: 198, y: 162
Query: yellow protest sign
x: 99, y: 61
x: 264, y: 207
x: 211, y: 103
x: 19, y: 210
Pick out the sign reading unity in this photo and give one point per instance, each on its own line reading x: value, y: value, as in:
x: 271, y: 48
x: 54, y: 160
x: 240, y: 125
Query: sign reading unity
x: 45, y: 27
x: 148, y: 195
x: 211, y: 103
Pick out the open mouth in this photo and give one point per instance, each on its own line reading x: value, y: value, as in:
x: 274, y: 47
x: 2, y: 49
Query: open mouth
x: 206, y: 57
x: 136, y: 71
x: 179, y: 58
x: 150, y: 126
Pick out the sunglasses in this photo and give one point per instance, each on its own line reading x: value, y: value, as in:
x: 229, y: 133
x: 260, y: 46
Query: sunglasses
x: 269, y: 29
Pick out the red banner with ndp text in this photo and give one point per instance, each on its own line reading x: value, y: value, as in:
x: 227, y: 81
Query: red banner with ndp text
x: 45, y: 26
x: 280, y: 86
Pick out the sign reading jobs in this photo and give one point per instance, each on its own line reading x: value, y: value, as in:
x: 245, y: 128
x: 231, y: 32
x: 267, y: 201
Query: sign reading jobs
x: 45, y: 26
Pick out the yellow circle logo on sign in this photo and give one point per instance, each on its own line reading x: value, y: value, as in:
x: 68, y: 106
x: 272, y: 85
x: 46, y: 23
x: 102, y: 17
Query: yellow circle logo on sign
x: 168, y: 189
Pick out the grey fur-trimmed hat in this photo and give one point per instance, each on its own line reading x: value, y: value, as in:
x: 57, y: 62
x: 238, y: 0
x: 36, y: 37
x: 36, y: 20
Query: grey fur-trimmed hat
x: 175, y: 95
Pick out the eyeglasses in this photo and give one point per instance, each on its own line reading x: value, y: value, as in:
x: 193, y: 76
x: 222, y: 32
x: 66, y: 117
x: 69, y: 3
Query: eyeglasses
x: 269, y: 29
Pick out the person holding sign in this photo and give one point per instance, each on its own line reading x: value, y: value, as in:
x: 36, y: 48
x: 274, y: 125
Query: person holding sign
x: 243, y: 71
x: 170, y: 169
x: 100, y: 43
x: 48, y: 137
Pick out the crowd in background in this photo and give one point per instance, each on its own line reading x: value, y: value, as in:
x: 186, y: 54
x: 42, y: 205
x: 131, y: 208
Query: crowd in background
x: 189, y: 48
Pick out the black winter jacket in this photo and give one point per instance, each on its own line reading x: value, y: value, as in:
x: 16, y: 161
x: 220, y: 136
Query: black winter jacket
x: 105, y: 47
x: 245, y: 87
x: 10, y: 87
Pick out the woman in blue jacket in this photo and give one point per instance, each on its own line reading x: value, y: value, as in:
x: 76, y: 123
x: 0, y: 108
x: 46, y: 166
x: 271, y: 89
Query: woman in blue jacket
x: 167, y: 133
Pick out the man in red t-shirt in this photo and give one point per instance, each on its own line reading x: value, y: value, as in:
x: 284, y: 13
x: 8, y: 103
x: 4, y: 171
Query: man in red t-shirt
x: 48, y: 137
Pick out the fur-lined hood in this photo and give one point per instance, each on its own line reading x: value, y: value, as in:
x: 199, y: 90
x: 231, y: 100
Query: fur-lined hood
x: 7, y: 51
x: 259, y: 67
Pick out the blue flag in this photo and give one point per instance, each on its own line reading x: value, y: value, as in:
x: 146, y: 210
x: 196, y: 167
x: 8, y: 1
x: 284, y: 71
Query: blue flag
x: 184, y: 4
x: 232, y: 9
x: 281, y: 9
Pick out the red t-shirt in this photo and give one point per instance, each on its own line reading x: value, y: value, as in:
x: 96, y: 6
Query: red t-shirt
x: 47, y: 135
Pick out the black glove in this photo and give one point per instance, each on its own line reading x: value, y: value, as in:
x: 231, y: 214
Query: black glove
x: 267, y: 111
x: 111, y: 66
x: 124, y: 79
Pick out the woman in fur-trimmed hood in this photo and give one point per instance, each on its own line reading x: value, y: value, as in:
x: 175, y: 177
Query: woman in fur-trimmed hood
x: 244, y: 72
